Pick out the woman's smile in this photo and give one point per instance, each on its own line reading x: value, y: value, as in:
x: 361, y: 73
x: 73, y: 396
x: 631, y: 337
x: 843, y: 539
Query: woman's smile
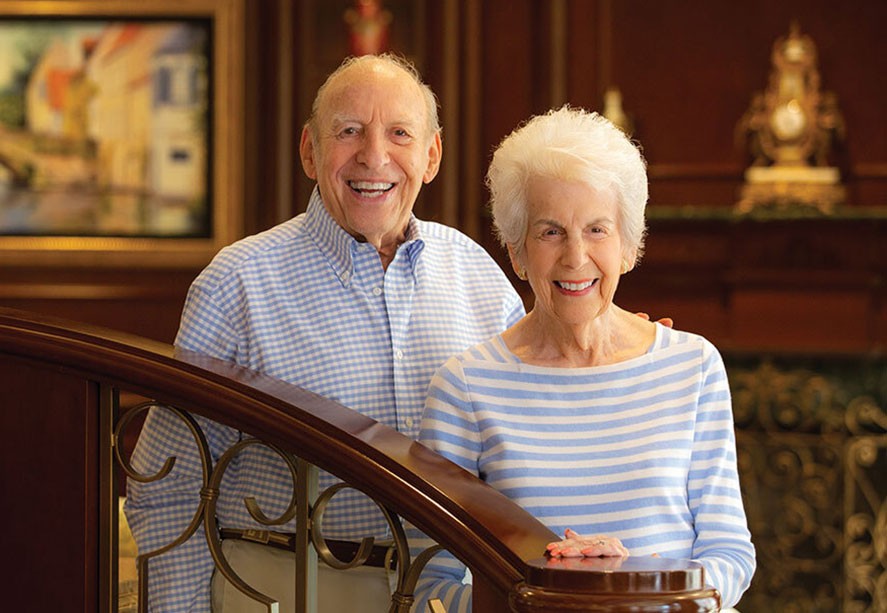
x: 575, y: 288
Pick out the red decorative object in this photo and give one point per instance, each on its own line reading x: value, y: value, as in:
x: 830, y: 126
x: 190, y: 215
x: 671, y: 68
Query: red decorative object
x: 368, y: 27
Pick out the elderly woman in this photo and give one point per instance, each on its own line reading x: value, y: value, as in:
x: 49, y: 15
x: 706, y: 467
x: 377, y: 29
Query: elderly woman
x: 595, y: 420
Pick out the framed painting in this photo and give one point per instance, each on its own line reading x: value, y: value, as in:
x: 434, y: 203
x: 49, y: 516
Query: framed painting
x: 120, y: 131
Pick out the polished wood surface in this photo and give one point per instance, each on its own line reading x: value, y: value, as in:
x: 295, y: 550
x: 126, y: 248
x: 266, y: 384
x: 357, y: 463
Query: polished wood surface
x: 48, y: 487
x: 767, y: 286
x: 51, y: 377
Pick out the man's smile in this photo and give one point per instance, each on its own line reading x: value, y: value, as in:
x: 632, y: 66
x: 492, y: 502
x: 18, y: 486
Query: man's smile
x: 370, y: 189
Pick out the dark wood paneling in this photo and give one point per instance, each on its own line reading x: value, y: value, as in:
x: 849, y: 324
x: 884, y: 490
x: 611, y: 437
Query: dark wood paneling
x: 786, y: 286
x: 687, y: 70
x: 52, y: 548
x: 147, y: 302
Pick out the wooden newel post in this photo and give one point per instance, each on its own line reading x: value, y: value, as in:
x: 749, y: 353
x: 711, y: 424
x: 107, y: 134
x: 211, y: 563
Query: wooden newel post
x: 636, y: 585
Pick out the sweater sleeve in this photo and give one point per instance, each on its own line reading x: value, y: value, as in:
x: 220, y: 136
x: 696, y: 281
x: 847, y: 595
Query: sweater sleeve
x: 449, y: 428
x: 723, y: 542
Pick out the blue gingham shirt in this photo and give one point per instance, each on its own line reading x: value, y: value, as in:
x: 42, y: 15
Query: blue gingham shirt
x: 309, y: 304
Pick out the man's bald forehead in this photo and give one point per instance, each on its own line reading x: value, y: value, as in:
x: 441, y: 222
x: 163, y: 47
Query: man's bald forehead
x: 381, y: 65
x: 368, y: 67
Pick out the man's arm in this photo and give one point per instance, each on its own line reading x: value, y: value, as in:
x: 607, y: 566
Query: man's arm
x: 158, y: 512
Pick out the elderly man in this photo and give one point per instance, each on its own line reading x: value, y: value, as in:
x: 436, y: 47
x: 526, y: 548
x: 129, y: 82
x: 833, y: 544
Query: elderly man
x: 356, y: 300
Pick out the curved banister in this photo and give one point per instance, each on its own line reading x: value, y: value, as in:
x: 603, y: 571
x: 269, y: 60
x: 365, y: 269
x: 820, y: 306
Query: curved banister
x: 496, y: 538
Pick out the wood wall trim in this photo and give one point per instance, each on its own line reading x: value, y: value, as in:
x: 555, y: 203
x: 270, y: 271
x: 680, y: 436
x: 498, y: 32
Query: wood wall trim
x: 286, y: 158
x: 472, y: 162
x: 691, y: 170
x: 870, y: 170
x: 449, y: 102
x: 559, y: 60
x: 85, y: 292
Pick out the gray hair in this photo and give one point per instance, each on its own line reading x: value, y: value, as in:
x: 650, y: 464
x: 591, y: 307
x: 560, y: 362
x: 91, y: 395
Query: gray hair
x: 392, y: 60
x: 570, y: 144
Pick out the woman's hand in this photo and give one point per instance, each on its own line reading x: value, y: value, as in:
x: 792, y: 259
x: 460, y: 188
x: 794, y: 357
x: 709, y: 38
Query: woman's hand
x: 597, y: 564
x: 577, y: 546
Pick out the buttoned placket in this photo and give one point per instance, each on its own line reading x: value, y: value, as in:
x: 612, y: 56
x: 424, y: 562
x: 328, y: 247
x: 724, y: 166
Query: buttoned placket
x: 400, y: 288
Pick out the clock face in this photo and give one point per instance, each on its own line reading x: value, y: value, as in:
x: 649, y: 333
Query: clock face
x: 788, y: 120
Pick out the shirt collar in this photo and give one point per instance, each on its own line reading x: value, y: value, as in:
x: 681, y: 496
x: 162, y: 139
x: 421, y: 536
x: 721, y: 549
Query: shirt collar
x: 337, y: 245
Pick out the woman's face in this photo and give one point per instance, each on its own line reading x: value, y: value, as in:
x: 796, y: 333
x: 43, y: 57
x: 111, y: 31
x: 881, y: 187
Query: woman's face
x: 573, y: 252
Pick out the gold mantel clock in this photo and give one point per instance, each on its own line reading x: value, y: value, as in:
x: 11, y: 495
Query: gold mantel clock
x: 790, y: 129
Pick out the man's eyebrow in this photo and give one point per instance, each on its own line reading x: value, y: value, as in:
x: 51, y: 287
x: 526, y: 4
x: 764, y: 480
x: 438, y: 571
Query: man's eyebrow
x: 339, y: 119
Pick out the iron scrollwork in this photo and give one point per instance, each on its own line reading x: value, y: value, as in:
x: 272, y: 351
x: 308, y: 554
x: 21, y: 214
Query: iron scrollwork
x: 308, y: 516
x: 812, y: 453
x: 206, y: 469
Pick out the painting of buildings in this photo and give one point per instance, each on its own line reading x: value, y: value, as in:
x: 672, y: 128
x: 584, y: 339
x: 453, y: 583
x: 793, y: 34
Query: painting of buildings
x: 112, y: 137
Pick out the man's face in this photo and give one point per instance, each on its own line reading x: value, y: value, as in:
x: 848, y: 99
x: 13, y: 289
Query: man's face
x: 372, y: 152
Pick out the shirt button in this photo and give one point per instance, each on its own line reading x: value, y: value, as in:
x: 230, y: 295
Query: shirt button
x: 398, y: 354
x: 408, y: 422
x: 377, y: 291
x: 345, y: 277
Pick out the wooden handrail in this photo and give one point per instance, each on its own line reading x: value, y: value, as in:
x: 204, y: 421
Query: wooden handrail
x: 500, y: 542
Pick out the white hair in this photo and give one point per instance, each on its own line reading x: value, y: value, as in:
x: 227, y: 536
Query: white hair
x: 570, y: 144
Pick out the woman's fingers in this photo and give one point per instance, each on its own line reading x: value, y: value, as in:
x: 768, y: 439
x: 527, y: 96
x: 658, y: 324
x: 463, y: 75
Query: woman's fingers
x: 575, y: 545
x: 607, y: 547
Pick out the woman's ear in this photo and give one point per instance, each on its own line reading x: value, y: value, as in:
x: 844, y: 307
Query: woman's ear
x: 516, y: 263
x: 630, y: 260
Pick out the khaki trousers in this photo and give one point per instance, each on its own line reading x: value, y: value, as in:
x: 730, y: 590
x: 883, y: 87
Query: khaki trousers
x: 272, y: 571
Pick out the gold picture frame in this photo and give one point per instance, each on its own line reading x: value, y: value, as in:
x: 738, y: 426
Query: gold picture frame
x: 171, y: 197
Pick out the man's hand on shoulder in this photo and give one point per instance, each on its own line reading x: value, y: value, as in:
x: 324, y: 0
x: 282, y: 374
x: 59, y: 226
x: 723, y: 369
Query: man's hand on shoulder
x: 668, y: 322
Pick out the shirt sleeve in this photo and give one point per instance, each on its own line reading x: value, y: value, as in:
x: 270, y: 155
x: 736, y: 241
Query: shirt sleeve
x: 205, y: 326
x: 448, y: 427
x: 443, y: 578
x: 516, y: 311
x: 160, y: 511
x: 723, y: 542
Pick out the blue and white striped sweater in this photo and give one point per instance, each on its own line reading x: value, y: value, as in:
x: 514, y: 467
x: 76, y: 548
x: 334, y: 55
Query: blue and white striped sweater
x: 643, y: 450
